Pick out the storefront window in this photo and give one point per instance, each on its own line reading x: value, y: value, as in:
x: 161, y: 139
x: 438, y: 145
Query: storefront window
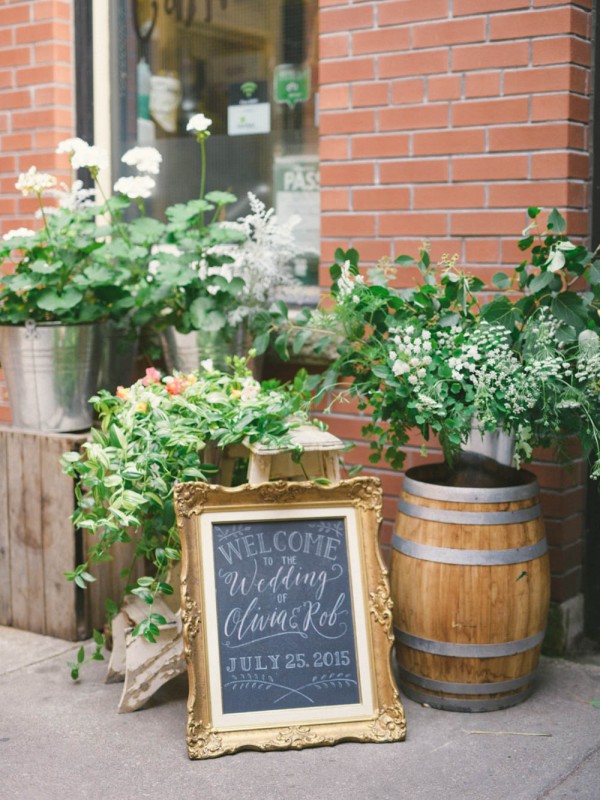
x: 250, y: 66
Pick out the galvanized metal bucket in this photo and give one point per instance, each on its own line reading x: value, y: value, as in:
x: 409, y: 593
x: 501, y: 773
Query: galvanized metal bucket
x: 186, y: 351
x: 497, y: 444
x: 51, y: 371
x: 118, y: 354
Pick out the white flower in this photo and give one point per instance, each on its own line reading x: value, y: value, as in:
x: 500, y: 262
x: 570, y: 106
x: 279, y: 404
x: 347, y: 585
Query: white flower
x: 393, y: 355
x: 400, y: 367
x: 588, y: 340
x: 144, y: 159
x: 89, y: 156
x: 34, y: 182
x: 250, y: 391
x: 18, y: 233
x: 71, y: 146
x: 207, y: 364
x: 413, y: 380
x: 136, y: 186
x: 74, y: 197
x: 168, y: 249
x: 199, y: 123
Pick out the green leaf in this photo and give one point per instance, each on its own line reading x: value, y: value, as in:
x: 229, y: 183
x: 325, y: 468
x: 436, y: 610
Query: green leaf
x: 96, y: 273
x: 541, y: 281
x: 569, y: 308
x: 525, y: 244
x: 80, y: 655
x: 404, y: 261
x: 300, y: 340
x: 594, y: 276
x: 51, y: 300
x: 261, y: 342
x: 220, y: 198
x: 556, y: 222
x: 133, y: 498
x: 501, y: 311
x: 205, y: 317
x: 280, y: 345
x: 145, y: 230
x: 533, y: 211
x: 501, y: 280
x: 42, y: 267
x: 144, y: 595
x: 111, y: 607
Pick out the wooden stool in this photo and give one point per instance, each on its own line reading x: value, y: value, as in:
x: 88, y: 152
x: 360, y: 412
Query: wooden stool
x: 145, y: 666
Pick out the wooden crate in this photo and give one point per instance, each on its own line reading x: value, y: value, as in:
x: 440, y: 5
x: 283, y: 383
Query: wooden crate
x: 38, y: 543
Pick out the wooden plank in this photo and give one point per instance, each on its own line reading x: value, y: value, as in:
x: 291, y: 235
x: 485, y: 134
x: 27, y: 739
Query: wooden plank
x: 57, y: 503
x: 109, y: 584
x: 24, y: 514
x: 5, y: 584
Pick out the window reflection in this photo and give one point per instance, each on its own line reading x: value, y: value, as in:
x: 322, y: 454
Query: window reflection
x: 250, y: 66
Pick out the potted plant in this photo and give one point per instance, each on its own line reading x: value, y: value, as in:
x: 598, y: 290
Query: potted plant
x: 82, y: 267
x: 215, y: 276
x: 469, y: 566
x: 159, y: 431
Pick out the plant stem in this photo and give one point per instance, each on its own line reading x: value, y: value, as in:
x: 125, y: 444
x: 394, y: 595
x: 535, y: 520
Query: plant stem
x: 202, y: 177
x: 116, y: 219
x: 45, y: 219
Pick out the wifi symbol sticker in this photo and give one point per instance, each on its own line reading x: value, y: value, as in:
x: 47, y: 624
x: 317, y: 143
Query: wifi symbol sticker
x: 248, y: 88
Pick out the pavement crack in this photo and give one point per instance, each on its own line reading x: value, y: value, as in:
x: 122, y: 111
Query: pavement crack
x: 589, y: 755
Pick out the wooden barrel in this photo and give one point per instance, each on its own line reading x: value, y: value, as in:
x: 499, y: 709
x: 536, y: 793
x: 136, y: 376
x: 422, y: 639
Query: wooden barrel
x: 471, y: 585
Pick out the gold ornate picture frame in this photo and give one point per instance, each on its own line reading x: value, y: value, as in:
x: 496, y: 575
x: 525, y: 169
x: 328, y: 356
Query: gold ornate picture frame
x: 286, y: 617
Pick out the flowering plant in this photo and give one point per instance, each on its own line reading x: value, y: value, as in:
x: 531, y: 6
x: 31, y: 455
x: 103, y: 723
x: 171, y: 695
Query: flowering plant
x: 84, y: 263
x: 155, y: 433
x: 213, y: 274
x: 438, y: 359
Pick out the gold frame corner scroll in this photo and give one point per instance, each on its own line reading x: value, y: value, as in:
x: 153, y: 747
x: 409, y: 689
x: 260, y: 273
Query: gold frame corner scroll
x: 287, y: 617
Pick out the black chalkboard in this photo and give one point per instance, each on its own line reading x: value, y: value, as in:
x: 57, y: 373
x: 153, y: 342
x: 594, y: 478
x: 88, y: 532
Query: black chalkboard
x: 284, y: 614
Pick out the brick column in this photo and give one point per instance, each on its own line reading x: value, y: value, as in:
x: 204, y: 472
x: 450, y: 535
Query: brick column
x: 445, y: 120
x: 36, y: 104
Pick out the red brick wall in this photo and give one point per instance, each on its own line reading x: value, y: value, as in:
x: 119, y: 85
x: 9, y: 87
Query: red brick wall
x: 36, y: 103
x: 445, y: 120
x: 435, y: 123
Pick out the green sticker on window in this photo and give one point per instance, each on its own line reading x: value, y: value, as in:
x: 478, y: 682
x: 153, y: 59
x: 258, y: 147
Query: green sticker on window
x: 291, y: 84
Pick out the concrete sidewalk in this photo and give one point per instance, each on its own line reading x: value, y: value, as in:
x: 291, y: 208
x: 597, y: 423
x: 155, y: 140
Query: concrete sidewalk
x: 59, y: 740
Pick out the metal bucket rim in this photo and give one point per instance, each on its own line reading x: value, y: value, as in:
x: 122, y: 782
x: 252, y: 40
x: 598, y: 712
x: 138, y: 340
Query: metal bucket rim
x: 433, y: 481
x: 49, y: 324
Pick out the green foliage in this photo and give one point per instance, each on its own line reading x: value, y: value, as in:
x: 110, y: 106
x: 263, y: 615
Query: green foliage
x: 441, y: 354
x: 81, y: 659
x: 52, y: 277
x: 154, y: 434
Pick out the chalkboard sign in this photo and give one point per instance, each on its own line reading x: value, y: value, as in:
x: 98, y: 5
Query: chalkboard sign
x: 287, y: 616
